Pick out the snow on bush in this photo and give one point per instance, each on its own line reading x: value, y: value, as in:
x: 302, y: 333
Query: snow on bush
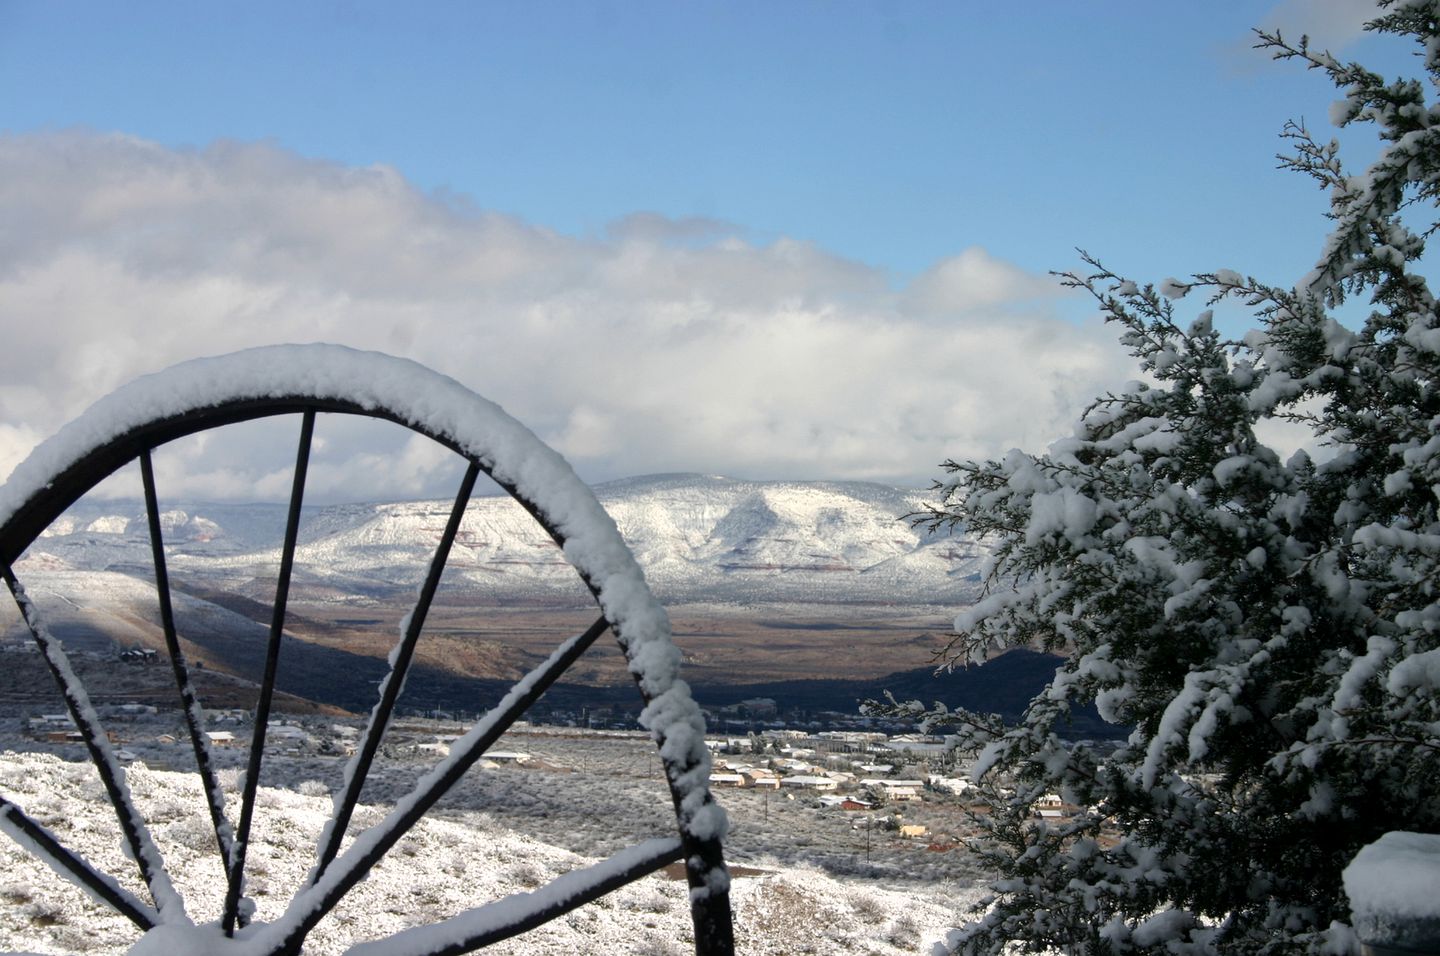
x: 1267, y: 625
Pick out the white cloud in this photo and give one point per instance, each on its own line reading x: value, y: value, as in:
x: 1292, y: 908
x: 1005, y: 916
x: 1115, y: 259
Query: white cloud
x: 659, y: 345
x: 975, y: 281
x: 16, y: 440
x: 1330, y: 24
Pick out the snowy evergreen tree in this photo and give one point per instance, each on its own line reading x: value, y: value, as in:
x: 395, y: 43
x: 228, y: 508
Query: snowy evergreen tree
x: 1269, y: 628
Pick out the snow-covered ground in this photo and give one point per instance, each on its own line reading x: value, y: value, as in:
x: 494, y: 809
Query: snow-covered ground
x: 450, y: 862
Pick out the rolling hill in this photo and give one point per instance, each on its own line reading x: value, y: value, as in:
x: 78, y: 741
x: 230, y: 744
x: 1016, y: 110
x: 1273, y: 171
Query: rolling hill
x: 819, y: 586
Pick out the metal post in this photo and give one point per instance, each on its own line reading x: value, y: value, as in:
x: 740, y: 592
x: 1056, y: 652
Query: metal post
x: 1392, y: 885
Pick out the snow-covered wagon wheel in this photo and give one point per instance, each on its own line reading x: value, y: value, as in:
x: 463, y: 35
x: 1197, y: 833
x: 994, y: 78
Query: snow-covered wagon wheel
x: 305, y: 381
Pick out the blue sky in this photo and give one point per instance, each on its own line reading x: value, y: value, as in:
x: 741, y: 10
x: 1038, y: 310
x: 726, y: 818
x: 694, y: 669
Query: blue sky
x: 863, y: 151
x: 894, y: 134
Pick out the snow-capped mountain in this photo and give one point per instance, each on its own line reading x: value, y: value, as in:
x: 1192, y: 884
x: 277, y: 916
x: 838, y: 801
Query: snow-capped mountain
x: 698, y: 539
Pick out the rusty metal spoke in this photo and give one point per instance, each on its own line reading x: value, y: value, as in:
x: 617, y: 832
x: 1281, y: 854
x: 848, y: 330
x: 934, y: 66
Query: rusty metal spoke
x: 189, y: 703
x: 236, y: 873
x: 393, y: 682
x: 77, y: 701
x: 313, y: 903
x: 521, y: 912
x: 42, y: 843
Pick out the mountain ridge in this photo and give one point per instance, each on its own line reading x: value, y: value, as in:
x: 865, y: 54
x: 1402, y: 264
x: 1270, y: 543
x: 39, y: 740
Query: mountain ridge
x: 697, y: 537
x: 767, y: 582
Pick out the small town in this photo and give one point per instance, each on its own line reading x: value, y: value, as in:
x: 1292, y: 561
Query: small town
x: 882, y: 782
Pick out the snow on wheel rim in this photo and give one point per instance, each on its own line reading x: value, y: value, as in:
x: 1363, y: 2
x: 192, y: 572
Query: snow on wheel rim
x: 263, y: 382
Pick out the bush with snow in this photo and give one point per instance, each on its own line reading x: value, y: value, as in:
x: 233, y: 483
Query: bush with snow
x: 1268, y: 626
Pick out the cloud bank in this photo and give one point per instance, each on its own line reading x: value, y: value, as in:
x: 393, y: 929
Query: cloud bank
x: 659, y: 345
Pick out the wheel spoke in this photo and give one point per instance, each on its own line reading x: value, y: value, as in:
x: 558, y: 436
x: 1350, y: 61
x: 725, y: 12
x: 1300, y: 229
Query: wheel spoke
x: 390, y: 687
x: 521, y: 912
x: 311, y: 904
x: 137, y: 837
x: 189, y: 703
x: 42, y: 843
x: 267, y: 684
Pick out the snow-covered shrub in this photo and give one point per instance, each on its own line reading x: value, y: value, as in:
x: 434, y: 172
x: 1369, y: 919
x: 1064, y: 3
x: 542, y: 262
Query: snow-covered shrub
x: 1267, y: 626
x: 867, y: 907
x: 783, y: 904
x: 193, y: 831
x: 528, y: 874
x: 168, y: 807
x: 904, y: 932
x: 654, y: 902
x: 660, y: 946
x: 43, y: 912
x: 313, y: 788
x: 16, y: 893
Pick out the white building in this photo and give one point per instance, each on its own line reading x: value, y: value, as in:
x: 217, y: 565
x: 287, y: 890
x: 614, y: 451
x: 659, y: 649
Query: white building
x: 508, y: 756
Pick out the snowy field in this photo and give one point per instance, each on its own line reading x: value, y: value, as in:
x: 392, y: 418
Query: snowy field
x: 803, y: 886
